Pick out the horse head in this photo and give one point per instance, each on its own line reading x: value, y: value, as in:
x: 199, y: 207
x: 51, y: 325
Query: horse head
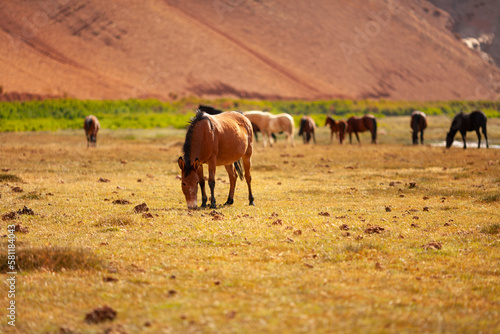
x: 189, y: 179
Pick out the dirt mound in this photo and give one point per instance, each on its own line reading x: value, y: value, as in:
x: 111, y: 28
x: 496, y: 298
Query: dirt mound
x: 275, y: 49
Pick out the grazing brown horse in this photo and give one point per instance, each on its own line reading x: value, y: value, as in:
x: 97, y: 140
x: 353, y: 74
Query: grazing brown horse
x: 361, y: 124
x: 467, y: 122
x: 307, y: 129
x: 219, y: 140
x: 338, y: 127
x: 91, y: 126
x: 418, y: 124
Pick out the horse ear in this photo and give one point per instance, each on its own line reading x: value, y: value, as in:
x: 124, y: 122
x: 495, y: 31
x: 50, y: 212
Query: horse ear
x: 181, y: 163
x: 196, y: 164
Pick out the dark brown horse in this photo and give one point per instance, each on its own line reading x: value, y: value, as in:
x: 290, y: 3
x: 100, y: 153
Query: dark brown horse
x: 307, y: 129
x: 361, y: 124
x: 467, y: 122
x: 338, y: 127
x: 220, y: 140
x: 91, y: 126
x: 418, y: 124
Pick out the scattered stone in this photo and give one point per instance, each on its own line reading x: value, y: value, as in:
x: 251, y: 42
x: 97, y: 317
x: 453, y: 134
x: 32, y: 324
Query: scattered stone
x: 413, y: 185
x: 433, y: 245
x: 20, y: 228
x: 25, y: 211
x: 9, y: 216
x: 110, y: 279
x: 278, y: 222
x: 297, y: 232
x: 103, y: 180
x: 388, y: 209
x: 141, y: 208
x: 121, y: 201
x: 17, y: 189
x: 231, y: 314
x: 216, y: 215
x: 100, y: 314
x: 344, y: 227
x: 374, y: 230
x: 324, y: 214
x: 426, y: 208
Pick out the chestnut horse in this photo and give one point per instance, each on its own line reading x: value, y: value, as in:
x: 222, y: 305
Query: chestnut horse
x: 307, y: 129
x: 220, y: 140
x: 467, y: 122
x: 361, y: 124
x: 91, y: 126
x: 338, y: 127
x: 269, y: 124
x: 418, y: 124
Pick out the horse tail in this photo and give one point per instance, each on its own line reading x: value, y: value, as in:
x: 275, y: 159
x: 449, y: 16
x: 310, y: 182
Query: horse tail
x: 88, y: 123
x: 239, y: 169
x: 414, y: 122
x: 302, y: 126
x: 374, y: 134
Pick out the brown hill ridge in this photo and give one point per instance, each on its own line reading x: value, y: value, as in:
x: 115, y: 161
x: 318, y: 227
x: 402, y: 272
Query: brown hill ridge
x: 274, y: 49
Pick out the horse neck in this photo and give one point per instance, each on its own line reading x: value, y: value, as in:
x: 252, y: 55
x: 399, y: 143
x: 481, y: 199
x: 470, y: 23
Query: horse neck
x: 198, y: 143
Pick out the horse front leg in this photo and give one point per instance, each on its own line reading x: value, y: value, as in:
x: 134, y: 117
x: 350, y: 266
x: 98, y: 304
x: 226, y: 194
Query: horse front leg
x: 357, y: 137
x: 463, y: 133
x: 211, y: 183
x: 231, y: 172
x: 422, y: 137
x: 201, y: 182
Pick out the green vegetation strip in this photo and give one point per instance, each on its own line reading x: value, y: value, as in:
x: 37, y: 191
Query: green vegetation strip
x: 50, y: 115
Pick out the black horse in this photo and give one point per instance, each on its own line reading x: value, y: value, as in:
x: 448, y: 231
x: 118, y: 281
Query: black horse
x: 209, y: 110
x: 467, y: 122
x: 418, y: 124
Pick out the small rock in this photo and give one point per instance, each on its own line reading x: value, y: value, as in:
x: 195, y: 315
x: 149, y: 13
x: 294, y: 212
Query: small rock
x: 433, y: 245
x: 374, y: 229
x: 344, y: 227
x: 141, y: 208
x: 121, y: 201
x: 100, y: 314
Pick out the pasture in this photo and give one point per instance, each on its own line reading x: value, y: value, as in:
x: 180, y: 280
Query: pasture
x: 385, y: 238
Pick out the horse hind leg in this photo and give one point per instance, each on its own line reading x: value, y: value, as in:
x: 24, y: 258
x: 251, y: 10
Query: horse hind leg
x: 247, y: 164
x: 485, y: 136
x: 478, y: 138
x: 231, y: 172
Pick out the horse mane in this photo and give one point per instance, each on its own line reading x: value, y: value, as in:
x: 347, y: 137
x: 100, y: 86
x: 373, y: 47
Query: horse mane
x: 186, y: 148
x: 209, y: 109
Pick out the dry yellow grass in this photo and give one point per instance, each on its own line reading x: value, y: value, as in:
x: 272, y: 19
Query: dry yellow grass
x: 372, y: 238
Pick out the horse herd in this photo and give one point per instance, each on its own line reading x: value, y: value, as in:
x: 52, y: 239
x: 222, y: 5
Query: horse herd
x: 218, y: 138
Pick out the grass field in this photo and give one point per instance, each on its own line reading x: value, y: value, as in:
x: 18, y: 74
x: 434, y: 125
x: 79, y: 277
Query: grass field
x: 387, y: 238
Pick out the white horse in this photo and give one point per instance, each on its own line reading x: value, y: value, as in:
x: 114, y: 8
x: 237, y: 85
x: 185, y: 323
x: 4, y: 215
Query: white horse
x: 268, y: 123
